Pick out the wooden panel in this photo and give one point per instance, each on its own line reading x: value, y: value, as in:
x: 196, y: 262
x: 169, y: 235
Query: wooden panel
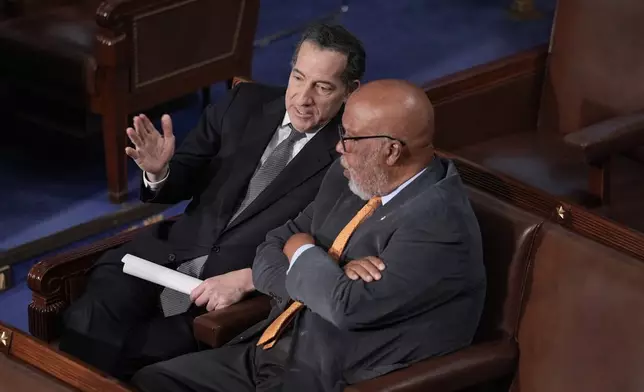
x: 488, y: 101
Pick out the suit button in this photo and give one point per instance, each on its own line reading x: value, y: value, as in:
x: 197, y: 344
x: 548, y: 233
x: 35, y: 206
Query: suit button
x: 215, y: 249
x: 172, y: 257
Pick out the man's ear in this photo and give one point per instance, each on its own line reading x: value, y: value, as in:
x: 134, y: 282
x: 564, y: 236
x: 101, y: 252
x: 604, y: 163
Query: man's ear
x: 353, y: 86
x: 393, y: 153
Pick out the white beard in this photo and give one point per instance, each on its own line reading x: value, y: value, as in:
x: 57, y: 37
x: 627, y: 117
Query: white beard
x: 358, y: 191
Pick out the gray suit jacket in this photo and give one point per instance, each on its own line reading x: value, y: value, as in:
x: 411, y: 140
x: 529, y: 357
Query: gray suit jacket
x: 427, y: 303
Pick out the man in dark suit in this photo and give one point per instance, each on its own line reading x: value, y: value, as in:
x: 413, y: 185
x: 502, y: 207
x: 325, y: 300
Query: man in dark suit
x: 255, y: 159
x: 385, y: 266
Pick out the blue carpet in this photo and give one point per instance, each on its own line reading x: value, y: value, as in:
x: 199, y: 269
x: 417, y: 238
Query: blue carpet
x: 52, y: 182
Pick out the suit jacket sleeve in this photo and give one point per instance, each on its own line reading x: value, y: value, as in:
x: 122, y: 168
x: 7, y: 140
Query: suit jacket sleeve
x: 270, y: 265
x: 189, y: 165
x: 422, y: 263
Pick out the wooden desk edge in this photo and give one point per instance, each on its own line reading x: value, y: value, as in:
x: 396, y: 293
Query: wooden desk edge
x: 18, y: 345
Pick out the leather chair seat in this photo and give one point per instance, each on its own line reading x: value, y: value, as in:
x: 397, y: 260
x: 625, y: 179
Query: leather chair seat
x: 55, y: 48
x: 544, y: 161
x: 540, y: 159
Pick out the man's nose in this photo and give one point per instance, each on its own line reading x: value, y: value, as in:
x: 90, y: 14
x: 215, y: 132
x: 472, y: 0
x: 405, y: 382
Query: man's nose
x: 305, y: 98
x: 339, y: 147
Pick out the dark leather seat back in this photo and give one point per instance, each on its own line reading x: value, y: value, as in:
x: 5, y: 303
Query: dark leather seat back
x: 582, y: 318
x: 595, y: 64
x: 508, y: 234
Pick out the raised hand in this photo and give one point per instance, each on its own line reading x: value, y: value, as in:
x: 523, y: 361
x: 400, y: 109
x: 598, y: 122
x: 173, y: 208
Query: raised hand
x: 151, y: 151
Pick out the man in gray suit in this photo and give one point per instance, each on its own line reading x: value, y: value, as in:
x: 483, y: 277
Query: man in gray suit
x: 384, y: 268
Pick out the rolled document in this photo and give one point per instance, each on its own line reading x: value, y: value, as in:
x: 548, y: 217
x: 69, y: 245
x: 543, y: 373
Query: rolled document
x: 158, y: 274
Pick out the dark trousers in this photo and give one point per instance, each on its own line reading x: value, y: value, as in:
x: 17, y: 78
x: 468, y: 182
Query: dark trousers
x: 117, y: 324
x: 235, y: 368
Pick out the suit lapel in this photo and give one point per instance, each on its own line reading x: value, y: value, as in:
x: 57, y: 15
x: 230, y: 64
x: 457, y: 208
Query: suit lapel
x: 258, y: 132
x: 316, y: 155
x: 434, y: 173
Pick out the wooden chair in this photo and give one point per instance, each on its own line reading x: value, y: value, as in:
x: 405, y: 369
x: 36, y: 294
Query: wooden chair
x: 27, y: 364
x: 561, y: 118
x: 517, y: 210
x: 103, y: 61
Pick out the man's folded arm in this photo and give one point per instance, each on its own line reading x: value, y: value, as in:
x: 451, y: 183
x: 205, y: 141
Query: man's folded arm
x: 192, y: 157
x: 270, y: 265
x: 418, y: 263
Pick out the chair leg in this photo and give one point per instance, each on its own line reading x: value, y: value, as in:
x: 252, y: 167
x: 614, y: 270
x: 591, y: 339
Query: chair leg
x: 599, y: 181
x: 115, y: 141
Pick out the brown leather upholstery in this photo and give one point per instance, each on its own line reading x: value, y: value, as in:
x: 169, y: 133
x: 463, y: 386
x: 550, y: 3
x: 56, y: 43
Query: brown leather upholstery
x: 582, y: 318
x: 508, y: 235
x: 569, y: 305
x: 513, y: 115
x: 595, y: 64
x: 76, y: 63
x: 216, y: 328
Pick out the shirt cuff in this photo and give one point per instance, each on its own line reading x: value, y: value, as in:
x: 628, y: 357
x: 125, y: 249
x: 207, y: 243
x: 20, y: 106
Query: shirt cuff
x: 297, y: 254
x: 153, y: 186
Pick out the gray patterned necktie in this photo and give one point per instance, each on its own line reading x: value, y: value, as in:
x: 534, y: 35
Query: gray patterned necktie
x: 174, y: 302
x: 275, y: 163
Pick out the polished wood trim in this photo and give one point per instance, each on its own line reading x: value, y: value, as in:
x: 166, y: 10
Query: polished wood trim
x: 554, y: 209
x: 57, y: 281
x: 55, y: 363
x: 486, y: 76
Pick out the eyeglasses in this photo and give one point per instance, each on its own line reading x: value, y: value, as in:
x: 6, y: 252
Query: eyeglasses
x: 342, y: 132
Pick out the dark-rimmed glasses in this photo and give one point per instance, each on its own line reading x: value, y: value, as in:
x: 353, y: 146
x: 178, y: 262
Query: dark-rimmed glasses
x: 343, y: 138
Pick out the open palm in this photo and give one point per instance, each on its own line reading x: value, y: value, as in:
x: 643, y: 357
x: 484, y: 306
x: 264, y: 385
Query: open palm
x: 152, y: 151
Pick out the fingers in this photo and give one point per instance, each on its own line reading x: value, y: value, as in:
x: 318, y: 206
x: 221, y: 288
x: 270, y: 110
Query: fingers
x: 366, y: 271
x: 203, y: 299
x: 132, y: 153
x: 166, y: 125
x: 376, y: 262
x: 134, y: 137
x: 351, y: 274
x: 212, y: 304
x: 371, y: 269
x: 147, y: 125
x: 197, y: 291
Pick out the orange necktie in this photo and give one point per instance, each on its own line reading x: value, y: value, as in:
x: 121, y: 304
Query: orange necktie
x: 273, y: 332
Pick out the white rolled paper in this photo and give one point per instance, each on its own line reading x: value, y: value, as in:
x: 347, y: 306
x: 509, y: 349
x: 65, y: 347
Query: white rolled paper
x: 159, y: 274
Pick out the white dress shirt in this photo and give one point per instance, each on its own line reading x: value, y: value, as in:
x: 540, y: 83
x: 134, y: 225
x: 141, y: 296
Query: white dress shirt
x: 384, y: 200
x: 279, y: 136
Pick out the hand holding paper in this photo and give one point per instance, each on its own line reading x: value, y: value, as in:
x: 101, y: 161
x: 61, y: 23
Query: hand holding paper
x: 158, y: 274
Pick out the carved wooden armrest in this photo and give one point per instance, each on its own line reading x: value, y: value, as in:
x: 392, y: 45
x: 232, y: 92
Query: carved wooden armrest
x: 58, y: 280
x: 599, y: 141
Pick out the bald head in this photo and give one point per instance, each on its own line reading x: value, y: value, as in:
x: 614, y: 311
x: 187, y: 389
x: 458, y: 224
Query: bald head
x: 396, y: 108
x: 389, y: 130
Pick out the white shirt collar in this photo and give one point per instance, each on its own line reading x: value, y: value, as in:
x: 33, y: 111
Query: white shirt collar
x: 309, y: 135
x: 387, y: 198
